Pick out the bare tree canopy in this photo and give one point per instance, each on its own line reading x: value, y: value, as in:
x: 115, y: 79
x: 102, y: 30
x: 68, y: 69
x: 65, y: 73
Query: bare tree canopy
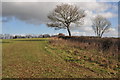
x: 100, y: 25
x: 65, y: 14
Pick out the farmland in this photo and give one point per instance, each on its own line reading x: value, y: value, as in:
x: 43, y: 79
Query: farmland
x: 55, y: 58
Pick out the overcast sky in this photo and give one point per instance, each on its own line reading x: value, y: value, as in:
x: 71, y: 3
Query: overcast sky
x: 31, y: 17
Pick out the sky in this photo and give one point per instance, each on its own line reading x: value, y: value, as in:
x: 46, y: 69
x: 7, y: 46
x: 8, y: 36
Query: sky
x: 30, y: 17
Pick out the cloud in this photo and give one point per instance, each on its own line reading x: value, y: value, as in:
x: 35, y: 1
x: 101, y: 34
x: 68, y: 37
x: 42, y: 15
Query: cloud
x: 30, y: 12
x: 87, y: 31
x: 82, y: 0
x: 96, y: 6
x: 108, y: 0
x: 48, y: 1
x: 20, y: 0
x: 36, y: 13
x: 79, y: 33
x: 83, y: 32
x: 113, y: 32
x: 108, y: 15
x: 59, y: 0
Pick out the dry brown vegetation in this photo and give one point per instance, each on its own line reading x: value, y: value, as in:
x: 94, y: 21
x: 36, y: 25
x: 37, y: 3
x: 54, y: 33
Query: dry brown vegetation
x: 98, y: 51
x: 107, y: 45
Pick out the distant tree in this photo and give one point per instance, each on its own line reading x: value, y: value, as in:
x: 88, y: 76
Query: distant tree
x: 100, y: 25
x: 65, y: 14
x: 61, y: 35
x: 46, y: 35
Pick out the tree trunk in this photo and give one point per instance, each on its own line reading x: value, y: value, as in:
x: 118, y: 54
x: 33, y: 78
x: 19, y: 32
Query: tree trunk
x: 69, y: 31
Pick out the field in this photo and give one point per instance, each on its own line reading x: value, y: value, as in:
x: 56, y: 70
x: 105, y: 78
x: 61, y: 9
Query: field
x: 55, y: 58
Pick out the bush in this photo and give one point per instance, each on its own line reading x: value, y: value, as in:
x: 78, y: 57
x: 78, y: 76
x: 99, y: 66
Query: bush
x: 61, y: 35
x: 106, y: 44
x: 112, y: 45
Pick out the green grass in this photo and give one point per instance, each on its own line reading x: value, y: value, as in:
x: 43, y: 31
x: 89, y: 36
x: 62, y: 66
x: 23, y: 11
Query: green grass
x: 0, y: 58
x: 37, y: 58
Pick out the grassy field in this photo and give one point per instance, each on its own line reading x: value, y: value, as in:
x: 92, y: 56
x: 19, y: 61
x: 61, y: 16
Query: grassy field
x: 48, y: 58
x: 0, y: 58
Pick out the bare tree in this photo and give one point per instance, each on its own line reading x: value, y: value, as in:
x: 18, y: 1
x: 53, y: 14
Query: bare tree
x: 100, y: 25
x: 65, y: 14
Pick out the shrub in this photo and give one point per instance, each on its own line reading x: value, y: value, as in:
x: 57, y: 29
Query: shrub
x: 106, y: 44
x: 112, y: 45
x: 61, y: 35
